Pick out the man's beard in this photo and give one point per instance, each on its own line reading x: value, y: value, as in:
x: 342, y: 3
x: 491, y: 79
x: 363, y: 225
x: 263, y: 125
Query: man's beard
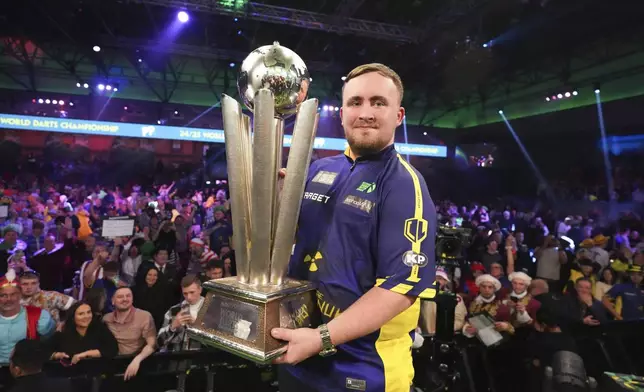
x: 364, y: 146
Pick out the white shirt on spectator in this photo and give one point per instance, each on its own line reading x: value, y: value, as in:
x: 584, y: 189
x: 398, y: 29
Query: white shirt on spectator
x: 600, y: 256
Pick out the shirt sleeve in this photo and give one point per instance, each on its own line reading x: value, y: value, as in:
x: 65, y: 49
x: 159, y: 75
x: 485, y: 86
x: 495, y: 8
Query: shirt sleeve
x: 149, y: 330
x: 166, y: 335
x: 406, y: 230
x: 46, y: 324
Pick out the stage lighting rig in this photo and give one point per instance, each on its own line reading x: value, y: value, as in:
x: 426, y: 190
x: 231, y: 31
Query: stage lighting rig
x: 567, y: 94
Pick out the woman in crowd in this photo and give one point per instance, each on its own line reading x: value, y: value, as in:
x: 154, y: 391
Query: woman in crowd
x: 152, y: 295
x: 606, y: 281
x: 82, y: 337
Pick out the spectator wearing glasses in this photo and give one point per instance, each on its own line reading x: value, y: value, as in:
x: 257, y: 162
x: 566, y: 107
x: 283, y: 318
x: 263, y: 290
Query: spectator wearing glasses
x: 83, y: 336
x: 52, y: 301
x: 18, y: 322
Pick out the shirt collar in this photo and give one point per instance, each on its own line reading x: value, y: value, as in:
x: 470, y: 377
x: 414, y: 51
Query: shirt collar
x: 125, y: 319
x: 480, y: 298
x: 383, y: 154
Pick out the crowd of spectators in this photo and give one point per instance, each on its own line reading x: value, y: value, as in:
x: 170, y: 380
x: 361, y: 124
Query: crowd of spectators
x: 87, y: 296
x: 544, y: 280
x: 96, y: 297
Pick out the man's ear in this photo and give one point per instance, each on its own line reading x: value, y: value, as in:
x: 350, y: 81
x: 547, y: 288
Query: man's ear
x: 400, y: 116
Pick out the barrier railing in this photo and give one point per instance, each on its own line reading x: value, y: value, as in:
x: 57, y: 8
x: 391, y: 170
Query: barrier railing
x: 612, y: 346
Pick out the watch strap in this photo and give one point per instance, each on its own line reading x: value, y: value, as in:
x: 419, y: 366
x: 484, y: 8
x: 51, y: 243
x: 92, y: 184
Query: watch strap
x: 327, y: 346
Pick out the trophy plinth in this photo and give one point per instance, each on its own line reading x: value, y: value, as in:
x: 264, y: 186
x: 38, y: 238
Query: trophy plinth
x: 238, y: 318
x: 239, y: 312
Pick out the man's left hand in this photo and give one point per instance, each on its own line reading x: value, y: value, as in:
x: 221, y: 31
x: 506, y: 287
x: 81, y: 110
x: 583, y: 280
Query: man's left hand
x: 132, y: 369
x: 303, y: 343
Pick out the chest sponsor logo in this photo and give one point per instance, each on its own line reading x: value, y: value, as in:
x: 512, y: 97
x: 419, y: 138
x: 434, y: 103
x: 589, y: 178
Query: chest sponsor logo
x: 360, y: 203
x: 411, y: 258
x: 325, y: 177
x: 320, y: 198
x: 366, y: 187
x: 355, y: 384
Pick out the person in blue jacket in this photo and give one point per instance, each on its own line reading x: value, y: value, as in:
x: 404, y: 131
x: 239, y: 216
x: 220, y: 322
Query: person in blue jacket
x: 366, y: 240
x: 625, y: 301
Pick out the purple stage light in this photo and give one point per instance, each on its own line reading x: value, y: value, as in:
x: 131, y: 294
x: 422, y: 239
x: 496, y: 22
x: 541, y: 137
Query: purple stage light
x: 183, y: 16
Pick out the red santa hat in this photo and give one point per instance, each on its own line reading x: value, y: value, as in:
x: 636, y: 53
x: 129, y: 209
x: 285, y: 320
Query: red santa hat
x: 198, y: 242
x: 9, y: 280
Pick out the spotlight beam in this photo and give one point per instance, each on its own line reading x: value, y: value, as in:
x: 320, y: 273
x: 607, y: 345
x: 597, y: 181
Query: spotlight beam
x: 527, y: 156
x: 607, y: 166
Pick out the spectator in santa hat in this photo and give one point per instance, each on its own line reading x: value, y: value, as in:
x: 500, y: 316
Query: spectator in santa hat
x: 19, y: 322
x: 200, y: 255
x: 523, y: 308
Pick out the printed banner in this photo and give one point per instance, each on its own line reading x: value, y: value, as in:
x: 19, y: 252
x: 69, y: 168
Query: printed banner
x: 66, y: 125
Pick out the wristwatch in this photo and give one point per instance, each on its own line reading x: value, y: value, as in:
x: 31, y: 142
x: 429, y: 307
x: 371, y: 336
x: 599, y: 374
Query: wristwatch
x: 328, y: 348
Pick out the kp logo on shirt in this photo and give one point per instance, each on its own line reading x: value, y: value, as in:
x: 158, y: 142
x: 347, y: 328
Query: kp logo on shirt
x: 411, y: 258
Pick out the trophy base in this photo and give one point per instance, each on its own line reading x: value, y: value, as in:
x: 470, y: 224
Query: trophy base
x: 238, y: 317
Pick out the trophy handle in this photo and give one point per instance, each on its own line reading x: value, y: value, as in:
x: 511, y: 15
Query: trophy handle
x: 297, y: 169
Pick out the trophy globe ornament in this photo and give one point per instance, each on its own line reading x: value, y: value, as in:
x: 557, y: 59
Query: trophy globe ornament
x: 278, y: 69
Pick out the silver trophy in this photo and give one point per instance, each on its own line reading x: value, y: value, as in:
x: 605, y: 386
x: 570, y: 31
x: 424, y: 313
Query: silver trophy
x: 239, y: 312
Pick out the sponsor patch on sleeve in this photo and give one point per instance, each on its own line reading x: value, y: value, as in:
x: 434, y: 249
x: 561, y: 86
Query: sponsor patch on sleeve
x: 411, y: 258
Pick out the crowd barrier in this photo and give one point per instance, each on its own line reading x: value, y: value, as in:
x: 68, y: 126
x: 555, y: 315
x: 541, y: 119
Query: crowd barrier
x: 611, y: 347
x: 615, y: 346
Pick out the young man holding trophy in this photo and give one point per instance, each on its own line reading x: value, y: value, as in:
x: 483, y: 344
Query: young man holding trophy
x: 367, y: 243
x: 343, y: 316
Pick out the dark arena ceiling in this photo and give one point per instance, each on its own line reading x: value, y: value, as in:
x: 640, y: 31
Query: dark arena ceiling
x: 461, y: 60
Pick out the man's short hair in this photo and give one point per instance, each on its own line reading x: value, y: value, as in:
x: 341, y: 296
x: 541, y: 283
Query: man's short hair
x: 38, y: 225
x: 212, y: 264
x: 29, y: 275
x: 29, y: 355
x: 189, y: 280
x: 161, y: 248
x: 381, y: 69
x: 583, y: 279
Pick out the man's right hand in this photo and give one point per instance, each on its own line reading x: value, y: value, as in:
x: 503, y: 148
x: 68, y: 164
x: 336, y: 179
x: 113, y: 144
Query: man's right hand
x: 180, y: 320
x: 590, y: 320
